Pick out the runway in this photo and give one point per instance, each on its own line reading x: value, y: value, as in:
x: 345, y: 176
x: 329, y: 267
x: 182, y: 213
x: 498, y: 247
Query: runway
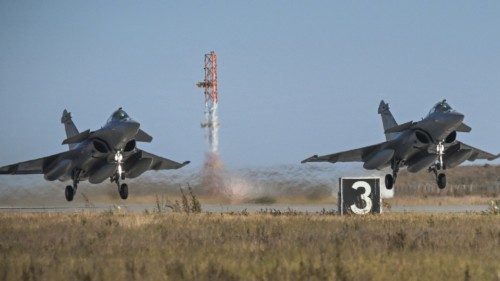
x: 237, y: 208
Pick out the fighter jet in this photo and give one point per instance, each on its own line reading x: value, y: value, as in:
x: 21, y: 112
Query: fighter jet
x: 430, y: 143
x: 109, y: 152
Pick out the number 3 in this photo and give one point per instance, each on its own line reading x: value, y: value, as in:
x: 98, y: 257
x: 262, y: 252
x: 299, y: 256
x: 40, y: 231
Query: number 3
x: 364, y: 197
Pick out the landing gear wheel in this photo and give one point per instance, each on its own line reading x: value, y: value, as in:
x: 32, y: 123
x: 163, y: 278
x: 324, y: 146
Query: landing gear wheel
x: 389, y: 181
x: 441, y: 181
x: 123, y: 190
x: 69, y: 192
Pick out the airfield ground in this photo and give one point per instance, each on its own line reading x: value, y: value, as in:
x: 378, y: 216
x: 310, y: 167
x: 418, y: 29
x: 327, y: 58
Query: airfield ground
x: 272, y: 246
x: 423, y: 234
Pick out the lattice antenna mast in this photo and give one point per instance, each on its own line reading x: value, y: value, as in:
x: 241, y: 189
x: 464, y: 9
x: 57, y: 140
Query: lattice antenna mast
x: 209, y: 84
x: 210, y: 81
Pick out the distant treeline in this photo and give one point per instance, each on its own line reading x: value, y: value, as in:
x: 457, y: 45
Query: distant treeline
x: 463, y: 180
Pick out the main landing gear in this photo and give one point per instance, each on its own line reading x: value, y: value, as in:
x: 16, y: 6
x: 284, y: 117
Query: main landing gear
x: 441, y: 181
x: 439, y: 168
x: 70, y: 191
x: 390, y: 180
x: 122, y: 188
x: 440, y: 175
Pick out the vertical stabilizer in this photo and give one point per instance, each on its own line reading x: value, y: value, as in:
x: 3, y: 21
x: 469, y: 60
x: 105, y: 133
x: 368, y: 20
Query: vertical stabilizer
x: 387, y: 120
x: 69, y: 126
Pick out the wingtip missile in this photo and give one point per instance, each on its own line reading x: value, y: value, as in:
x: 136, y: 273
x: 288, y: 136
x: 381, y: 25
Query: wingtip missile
x: 183, y: 164
x: 493, y: 157
x: 310, y: 159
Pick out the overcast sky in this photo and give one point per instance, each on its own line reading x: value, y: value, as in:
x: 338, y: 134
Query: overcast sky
x: 295, y: 78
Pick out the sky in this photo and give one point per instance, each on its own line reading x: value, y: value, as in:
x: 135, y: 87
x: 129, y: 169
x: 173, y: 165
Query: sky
x: 296, y: 78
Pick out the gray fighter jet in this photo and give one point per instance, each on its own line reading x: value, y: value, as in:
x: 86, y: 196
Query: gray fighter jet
x: 430, y: 143
x: 109, y: 152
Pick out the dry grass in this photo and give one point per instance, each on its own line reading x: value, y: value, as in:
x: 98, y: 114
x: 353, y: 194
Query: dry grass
x: 173, y: 246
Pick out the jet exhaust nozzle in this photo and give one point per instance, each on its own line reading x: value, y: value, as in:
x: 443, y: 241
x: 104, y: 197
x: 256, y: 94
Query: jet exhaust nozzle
x: 100, y: 148
x: 451, y: 137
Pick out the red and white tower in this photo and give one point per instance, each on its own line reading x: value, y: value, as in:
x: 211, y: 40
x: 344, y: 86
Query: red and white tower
x: 213, y: 172
x: 209, y: 84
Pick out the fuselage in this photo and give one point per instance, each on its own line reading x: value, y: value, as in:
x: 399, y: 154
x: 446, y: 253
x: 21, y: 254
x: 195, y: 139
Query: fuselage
x: 94, y: 157
x: 415, y: 147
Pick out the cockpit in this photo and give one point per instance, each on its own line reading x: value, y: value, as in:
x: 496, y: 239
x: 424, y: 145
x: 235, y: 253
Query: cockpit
x: 119, y: 115
x: 441, y: 107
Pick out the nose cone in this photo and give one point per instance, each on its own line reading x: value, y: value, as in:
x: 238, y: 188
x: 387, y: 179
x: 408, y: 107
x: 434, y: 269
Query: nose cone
x: 450, y: 119
x: 122, y: 133
x: 448, y: 123
x: 443, y: 124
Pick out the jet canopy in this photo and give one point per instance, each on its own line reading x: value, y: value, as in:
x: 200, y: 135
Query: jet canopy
x: 119, y: 115
x: 441, y: 107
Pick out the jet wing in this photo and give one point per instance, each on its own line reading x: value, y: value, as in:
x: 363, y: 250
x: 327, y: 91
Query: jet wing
x: 401, y: 128
x: 30, y: 167
x: 478, y: 153
x: 160, y: 163
x: 77, y: 138
x: 355, y: 155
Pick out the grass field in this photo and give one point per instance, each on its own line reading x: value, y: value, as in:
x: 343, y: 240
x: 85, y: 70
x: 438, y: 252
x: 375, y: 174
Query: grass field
x: 174, y: 246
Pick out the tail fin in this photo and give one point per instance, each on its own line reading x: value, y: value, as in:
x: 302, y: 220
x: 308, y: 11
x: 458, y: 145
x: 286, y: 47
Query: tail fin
x: 387, y: 120
x: 69, y: 126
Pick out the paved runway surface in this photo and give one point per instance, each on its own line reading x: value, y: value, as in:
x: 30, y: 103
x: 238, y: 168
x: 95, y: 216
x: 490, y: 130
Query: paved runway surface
x: 251, y: 208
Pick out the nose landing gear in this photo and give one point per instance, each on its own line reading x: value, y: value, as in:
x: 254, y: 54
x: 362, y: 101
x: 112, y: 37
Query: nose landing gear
x: 122, y: 188
x: 389, y: 181
x: 439, y: 168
